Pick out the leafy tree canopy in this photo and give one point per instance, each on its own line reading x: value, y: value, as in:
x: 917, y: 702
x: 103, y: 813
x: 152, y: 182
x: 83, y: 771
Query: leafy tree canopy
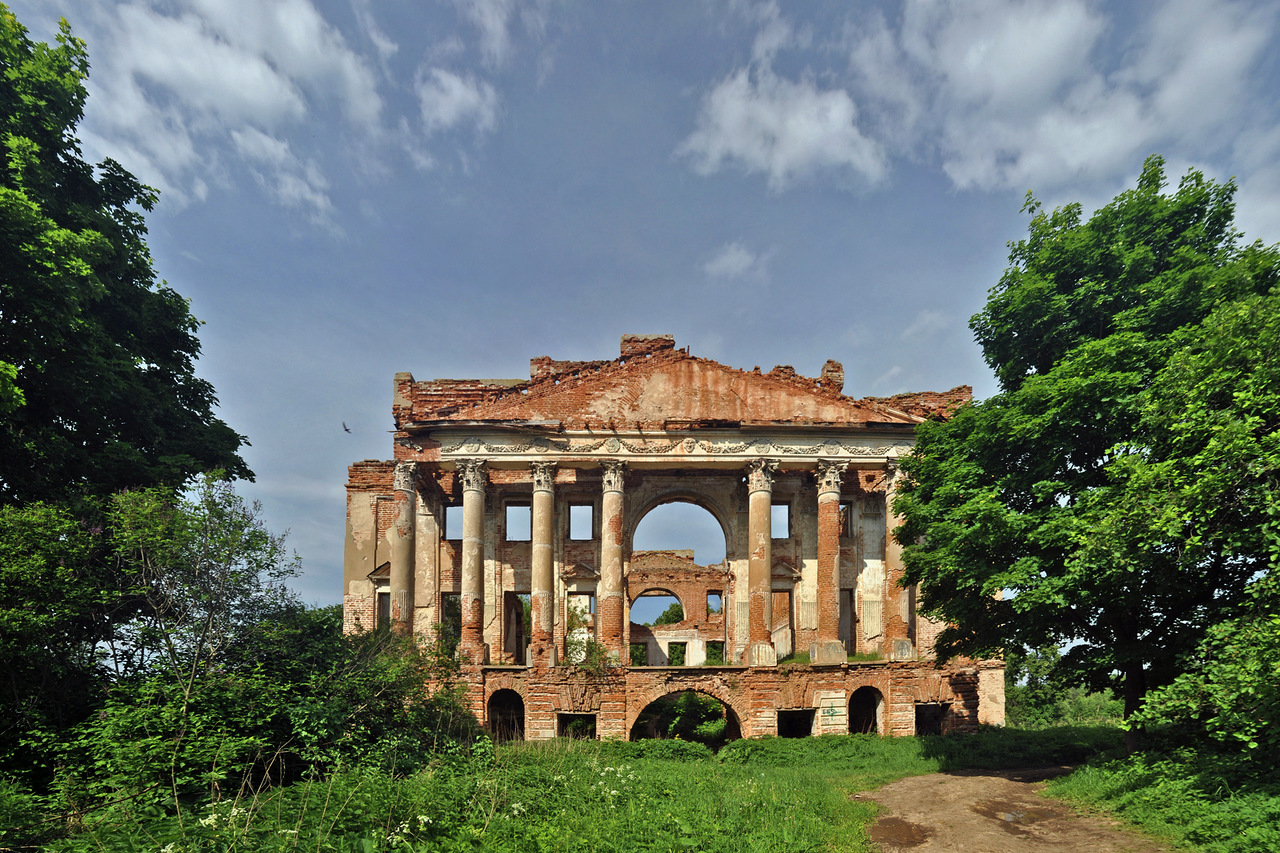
x: 97, y: 383
x: 673, y: 615
x: 1120, y: 490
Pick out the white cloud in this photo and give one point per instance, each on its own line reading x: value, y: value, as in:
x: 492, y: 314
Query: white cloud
x: 288, y: 180
x: 174, y: 81
x: 736, y: 262
x: 494, y: 21
x: 927, y: 323
x: 1028, y: 94
x: 449, y: 100
x: 784, y: 129
x: 491, y: 18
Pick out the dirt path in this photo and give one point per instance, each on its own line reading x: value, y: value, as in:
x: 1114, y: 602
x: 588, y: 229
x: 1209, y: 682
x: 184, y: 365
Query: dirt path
x: 992, y: 812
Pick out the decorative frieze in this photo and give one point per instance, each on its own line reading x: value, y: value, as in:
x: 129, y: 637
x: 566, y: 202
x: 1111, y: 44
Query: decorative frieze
x: 686, y: 448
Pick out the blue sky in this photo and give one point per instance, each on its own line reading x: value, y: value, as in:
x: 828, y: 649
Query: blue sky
x: 354, y: 188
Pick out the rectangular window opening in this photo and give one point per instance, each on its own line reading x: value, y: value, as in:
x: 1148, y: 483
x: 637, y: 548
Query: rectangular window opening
x: 453, y: 522
x: 931, y: 717
x: 519, y: 527
x: 449, y: 629
x: 780, y: 521
x: 846, y: 518
x: 796, y: 723
x: 675, y: 654
x: 715, y: 653
x: 715, y: 602
x: 581, y: 522
x: 639, y: 654
x: 576, y: 726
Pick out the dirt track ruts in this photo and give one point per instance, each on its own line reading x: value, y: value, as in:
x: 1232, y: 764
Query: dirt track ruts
x: 993, y: 812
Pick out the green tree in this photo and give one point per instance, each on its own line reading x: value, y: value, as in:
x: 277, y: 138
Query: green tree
x: 1055, y: 490
x: 97, y: 384
x: 58, y: 601
x: 673, y: 615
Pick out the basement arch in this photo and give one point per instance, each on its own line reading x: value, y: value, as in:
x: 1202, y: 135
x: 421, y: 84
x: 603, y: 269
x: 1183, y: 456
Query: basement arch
x: 866, y: 711
x: 506, y: 715
x: 637, y: 725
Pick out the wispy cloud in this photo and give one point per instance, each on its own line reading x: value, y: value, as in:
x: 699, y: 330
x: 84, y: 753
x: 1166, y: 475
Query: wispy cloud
x: 1023, y: 93
x: 735, y: 262
x: 450, y: 100
x: 177, y: 80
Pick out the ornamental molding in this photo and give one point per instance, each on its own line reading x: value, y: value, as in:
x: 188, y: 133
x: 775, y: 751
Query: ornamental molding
x: 612, y: 475
x: 760, y: 474
x: 473, y: 474
x: 831, y: 474
x: 406, y: 477
x: 544, y: 476
x: 700, y: 448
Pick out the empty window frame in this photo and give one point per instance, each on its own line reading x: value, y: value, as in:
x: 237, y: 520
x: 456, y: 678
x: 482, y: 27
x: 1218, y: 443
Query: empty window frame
x: 780, y: 520
x: 453, y: 522
x: 582, y: 522
x: 519, y: 522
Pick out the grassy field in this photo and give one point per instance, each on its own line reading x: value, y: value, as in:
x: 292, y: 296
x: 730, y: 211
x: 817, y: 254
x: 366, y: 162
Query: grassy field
x: 586, y: 796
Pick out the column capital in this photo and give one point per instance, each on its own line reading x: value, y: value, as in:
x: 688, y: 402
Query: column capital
x: 406, y: 477
x: 473, y: 474
x: 760, y: 474
x: 612, y: 474
x: 831, y: 475
x: 544, y: 476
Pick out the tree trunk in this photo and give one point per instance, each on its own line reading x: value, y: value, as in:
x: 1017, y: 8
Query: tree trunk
x: 1135, y: 688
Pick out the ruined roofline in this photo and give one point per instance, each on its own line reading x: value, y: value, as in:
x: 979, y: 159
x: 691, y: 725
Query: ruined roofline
x: 427, y: 402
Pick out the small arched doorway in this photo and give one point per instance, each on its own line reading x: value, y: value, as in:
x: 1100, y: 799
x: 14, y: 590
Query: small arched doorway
x: 506, y: 715
x: 866, y: 709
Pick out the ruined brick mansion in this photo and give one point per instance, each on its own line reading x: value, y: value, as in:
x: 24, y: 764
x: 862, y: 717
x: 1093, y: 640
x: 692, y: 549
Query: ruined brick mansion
x: 514, y: 496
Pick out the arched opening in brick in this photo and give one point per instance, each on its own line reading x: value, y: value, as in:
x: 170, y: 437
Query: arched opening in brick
x: 506, y: 715
x: 688, y: 715
x: 677, y: 581
x: 866, y: 711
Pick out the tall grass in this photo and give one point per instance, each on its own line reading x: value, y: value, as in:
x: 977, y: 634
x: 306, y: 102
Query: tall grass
x: 767, y: 794
x: 1197, y: 799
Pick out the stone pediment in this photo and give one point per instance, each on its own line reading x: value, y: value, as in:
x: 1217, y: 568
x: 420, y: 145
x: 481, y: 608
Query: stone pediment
x: 653, y: 386
x: 580, y: 571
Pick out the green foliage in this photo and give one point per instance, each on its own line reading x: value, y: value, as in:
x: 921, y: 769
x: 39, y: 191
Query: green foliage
x: 1230, y: 695
x: 1196, y: 800
x: 208, y: 570
x: 97, y: 384
x: 687, y: 715
x: 1034, y: 696
x: 673, y: 615
x: 58, y: 599
x: 1075, y: 488
x: 291, y: 699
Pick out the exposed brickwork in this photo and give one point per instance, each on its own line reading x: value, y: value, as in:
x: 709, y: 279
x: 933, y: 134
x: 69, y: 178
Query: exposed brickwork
x: 619, y: 437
